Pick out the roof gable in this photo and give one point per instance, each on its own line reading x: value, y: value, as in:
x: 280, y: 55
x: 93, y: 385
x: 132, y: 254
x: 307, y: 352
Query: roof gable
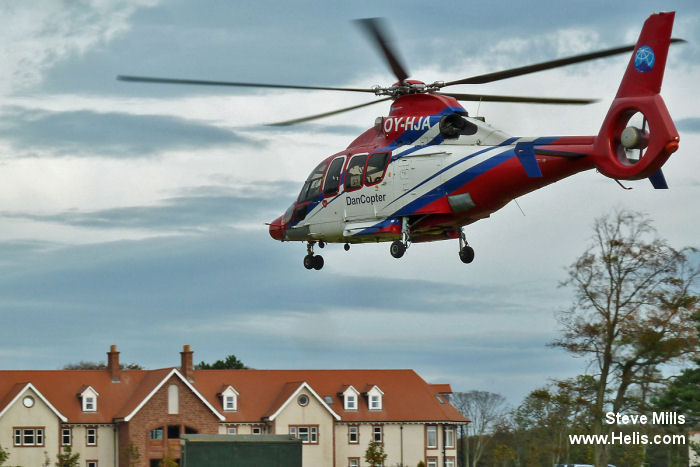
x: 19, y: 390
x: 294, y: 394
x: 174, y: 372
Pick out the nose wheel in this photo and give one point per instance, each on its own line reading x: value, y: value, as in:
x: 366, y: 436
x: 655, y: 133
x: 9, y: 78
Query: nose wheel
x: 466, y: 253
x: 312, y: 261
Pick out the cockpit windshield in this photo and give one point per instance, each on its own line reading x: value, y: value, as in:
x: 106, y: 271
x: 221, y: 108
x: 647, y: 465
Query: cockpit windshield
x: 312, y: 186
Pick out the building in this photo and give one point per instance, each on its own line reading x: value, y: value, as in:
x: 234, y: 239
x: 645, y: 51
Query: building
x: 104, y: 415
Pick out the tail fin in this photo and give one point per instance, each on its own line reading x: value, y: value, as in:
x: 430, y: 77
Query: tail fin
x: 639, y: 92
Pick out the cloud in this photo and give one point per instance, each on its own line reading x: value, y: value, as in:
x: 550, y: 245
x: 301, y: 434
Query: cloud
x: 690, y: 125
x: 201, y: 208
x: 86, y: 133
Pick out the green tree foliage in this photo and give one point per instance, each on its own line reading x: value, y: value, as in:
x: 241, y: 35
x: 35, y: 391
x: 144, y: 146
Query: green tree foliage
x: 375, y: 455
x: 68, y: 459
x: 85, y: 365
x: 132, y: 454
x: 230, y: 363
x: 168, y: 461
x: 3, y: 455
x: 632, y: 313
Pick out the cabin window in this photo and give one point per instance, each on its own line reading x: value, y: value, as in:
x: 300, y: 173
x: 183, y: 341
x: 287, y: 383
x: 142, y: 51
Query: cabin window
x: 353, y: 177
x: 332, y: 183
x: 375, y: 168
x: 312, y: 187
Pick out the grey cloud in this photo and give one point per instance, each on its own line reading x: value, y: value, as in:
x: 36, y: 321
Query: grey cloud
x: 87, y: 133
x: 690, y: 125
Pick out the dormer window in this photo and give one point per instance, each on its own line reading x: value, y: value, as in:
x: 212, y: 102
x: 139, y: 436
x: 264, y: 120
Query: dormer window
x: 350, y: 396
x: 374, y: 398
x: 229, y: 399
x: 89, y: 399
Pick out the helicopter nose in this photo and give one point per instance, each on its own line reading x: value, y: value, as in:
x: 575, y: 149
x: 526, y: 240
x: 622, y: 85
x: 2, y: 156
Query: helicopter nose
x: 277, y: 229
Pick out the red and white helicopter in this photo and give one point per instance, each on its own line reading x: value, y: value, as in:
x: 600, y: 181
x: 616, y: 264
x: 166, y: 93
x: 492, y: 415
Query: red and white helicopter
x: 427, y: 169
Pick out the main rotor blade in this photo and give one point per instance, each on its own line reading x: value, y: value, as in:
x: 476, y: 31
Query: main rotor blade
x: 522, y: 99
x: 376, y: 29
x: 326, y: 114
x: 146, y: 79
x: 560, y: 62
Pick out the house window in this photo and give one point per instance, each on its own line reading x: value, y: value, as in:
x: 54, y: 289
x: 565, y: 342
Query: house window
x: 173, y: 431
x: 173, y: 399
x: 377, y: 433
x: 449, y: 437
x: 65, y: 436
x: 157, y: 433
x: 90, y: 404
x: 353, y: 434
x: 351, y: 402
x: 353, y: 462
x: 91, y: 435
x: 449, y: 462
x: 375, y: 403
x: 431, y: 436
x: 432, y: 462
x: 91, y: 464
x: 307, y: 434
x: 26, y: 436
x: 257, y: 430
x: 231, y: 430
x: 230, y: 404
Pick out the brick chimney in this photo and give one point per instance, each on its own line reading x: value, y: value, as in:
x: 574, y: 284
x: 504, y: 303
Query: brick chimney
x: 113, y: 363
x: 186, y: 367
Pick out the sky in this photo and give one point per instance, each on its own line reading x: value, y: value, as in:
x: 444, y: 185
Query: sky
x: 133, y: 214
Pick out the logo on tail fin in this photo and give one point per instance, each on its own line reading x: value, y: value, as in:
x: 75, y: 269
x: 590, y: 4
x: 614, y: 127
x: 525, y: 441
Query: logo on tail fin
x: 644, y: 59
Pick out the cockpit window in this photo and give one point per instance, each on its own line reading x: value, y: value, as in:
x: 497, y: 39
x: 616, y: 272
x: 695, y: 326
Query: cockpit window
x: 312, y: 187
x: 353, y: 177
x: 332, y: 183
x: 375, y: 168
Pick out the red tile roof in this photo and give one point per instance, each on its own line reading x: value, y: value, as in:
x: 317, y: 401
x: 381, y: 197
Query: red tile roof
x: 407, y: 397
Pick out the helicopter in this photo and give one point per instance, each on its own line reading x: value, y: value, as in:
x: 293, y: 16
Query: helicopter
x: 427, y: 169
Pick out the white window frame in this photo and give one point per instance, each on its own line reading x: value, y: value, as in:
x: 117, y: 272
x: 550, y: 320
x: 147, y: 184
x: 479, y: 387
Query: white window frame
x: 431, y: 430
x: 449, y: 437
x: 66, y: 433
x: 431, y: 462
x: 356, y: 433
x: 378, y: 430
x: 23, y: 434
x: 449, y: 462
x: 354, y: 462
x: 374, y: 398
x: 256, y: 430
x: 87, y: 436
x: 308, y: 434
x: 90, y: 463
x: 231, y: 430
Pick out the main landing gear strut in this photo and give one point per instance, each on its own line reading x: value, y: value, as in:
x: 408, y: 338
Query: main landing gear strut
x: 398, y: 247
x: 466, y: 253
x: 312, y: 261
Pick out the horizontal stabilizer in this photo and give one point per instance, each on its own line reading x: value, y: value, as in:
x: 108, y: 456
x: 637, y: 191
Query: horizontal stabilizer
x: 658, y: 180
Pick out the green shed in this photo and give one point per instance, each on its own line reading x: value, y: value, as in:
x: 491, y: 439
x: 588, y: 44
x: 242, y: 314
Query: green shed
x: 240, y: 451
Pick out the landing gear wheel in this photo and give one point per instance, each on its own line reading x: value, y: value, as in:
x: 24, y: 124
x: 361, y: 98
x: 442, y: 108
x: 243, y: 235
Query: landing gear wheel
x: 397, y: 249
x: 318, y: 262
x: 309, y: 261
x: 347, y: 247
x: 321, y: 244
x: 466, y: 254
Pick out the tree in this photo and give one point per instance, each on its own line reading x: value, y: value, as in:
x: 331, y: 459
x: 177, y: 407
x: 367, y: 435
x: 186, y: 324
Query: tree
x: 631, y: 314
x: 132, y: 454
x: 168, y: 461
x: 3, y: 455
x: 85, y: 365
x: 68, y: 459
x: 484, y: 410
x: 375, y: 455
x: 230, y: 363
